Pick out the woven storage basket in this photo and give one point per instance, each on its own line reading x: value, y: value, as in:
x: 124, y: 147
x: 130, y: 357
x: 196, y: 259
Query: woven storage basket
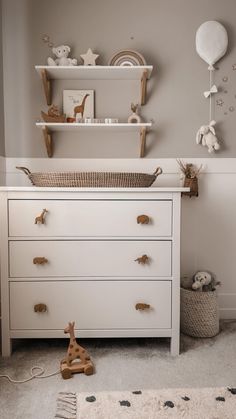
x: 199, y: 313
x: 92, y: 179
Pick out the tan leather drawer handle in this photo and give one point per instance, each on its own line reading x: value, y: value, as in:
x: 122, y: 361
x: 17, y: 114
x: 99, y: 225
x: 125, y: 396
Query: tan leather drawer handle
x: 40, y: 219
x: 40, y: 260
x: 40, y: 308
x: 143, y: 219
x: 143, y: 260
x: 142, y: 306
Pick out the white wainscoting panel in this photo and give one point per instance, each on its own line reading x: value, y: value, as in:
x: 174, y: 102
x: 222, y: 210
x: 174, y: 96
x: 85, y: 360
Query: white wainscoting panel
x: 208, y: 222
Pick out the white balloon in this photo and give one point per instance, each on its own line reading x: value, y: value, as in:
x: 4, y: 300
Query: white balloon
x: 211, y: 41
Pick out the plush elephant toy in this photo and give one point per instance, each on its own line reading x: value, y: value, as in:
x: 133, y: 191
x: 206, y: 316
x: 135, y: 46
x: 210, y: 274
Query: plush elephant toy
x: 207, y: 136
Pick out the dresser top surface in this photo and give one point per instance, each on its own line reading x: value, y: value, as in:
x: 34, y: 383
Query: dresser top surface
x: 97, y: 190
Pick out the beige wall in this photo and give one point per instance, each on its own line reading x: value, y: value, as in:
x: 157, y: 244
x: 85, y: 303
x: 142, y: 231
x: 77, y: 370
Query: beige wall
x: 162, y: 30
x: 2, y: 144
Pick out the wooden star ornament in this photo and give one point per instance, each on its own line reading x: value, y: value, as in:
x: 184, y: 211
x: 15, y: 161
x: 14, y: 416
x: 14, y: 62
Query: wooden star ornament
x: 89, y: 58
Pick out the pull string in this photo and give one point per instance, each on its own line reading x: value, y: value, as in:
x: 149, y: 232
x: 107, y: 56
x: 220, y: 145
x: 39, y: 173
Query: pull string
x: 33, y: 374
x: 210, y: 108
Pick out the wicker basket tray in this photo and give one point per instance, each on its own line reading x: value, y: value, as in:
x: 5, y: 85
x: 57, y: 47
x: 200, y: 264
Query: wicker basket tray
x: 91, y: 179
x: 199, y: 313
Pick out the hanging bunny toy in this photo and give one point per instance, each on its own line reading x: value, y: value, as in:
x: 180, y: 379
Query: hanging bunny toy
x: 206, y: 136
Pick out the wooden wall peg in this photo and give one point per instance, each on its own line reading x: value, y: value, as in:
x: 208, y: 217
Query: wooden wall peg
x: 143, y: 133
x: 144, y: 87
x: 48, y: 141
x: 46, y: 87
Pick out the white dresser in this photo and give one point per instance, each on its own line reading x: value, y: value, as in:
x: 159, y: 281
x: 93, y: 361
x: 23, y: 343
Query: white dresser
x: 107, y: 258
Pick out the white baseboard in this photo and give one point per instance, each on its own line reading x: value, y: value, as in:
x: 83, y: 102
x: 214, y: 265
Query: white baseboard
x: 227, y: 302
x: 228, y: 313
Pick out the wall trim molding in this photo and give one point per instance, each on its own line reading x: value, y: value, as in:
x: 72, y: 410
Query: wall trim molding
x: 2, y: 170
x: 210, y: 165
x: 170, y: 177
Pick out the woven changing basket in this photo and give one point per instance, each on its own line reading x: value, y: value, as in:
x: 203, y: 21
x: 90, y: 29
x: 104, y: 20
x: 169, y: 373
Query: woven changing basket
x: 199, y: 313
x: 92, y: 179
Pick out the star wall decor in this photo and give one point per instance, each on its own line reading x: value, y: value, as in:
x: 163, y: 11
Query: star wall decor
x: 89, y: 58
x: 234, y: 66
x: 46, y: 40
x: 219, y: 102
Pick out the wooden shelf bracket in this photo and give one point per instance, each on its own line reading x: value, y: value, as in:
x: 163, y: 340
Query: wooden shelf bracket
x: 47, y: 86
x: 48, y: 141
x: 143, y: 132
x: 144, y: 87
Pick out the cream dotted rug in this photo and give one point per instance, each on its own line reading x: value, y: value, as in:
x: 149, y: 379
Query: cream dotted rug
x: 188, y: 403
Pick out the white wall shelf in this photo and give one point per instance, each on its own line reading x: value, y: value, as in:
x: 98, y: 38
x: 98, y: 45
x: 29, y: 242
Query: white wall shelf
x: 98, y: 72
x: 49, y: 128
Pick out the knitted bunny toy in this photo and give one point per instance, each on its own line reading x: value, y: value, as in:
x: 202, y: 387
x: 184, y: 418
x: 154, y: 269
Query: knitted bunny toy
x: 207, y: 136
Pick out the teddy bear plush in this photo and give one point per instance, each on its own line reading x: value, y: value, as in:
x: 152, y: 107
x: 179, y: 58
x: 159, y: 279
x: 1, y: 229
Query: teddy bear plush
x: 61, y: 54
x: 204, y: 281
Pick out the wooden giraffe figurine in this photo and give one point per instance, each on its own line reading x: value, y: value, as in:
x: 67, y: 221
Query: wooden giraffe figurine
x: 75, y: 351
x: 41, y: 218
x: 80, y: 108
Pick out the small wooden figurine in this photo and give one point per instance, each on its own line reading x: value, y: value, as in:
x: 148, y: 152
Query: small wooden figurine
x: 190, y: 173
x: 53, y: 115
x: 40, y: 260
x: 142, y: 306
x: 40, y: 219
x: 143, y: 260
x: 40, y: 308
x: 134, y: 118
x: 75, y: 351
x: 143, y: 219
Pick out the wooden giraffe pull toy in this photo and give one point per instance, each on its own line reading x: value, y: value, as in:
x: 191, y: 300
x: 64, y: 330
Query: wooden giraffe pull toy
x: 75, y: 351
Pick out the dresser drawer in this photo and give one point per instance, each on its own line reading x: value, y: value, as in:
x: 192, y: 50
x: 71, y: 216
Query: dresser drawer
x: 84, y: 218
x: 88, y: 258
x: 92, y: 305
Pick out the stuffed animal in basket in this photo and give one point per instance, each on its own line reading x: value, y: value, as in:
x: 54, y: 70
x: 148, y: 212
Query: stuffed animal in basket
x: 61, y: 54
x: 204, y: 281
